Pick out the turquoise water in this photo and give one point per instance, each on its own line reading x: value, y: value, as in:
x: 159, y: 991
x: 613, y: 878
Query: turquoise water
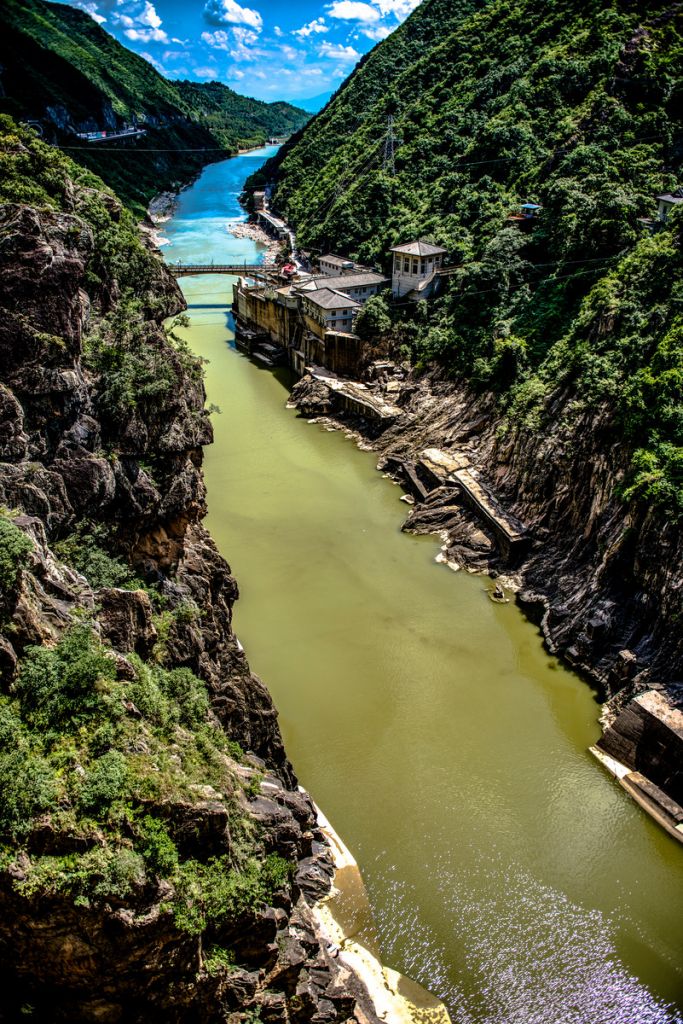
x: 507, y: 872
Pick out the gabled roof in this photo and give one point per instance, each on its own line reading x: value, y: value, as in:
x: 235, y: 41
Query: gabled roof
x: 336, y: 261
x: 347, y: 281
x: 327, y: 298
x: 419, y: 249
x: 672, y: 197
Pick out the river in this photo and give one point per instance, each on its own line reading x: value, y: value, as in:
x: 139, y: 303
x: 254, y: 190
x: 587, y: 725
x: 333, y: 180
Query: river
x: 508, y: 873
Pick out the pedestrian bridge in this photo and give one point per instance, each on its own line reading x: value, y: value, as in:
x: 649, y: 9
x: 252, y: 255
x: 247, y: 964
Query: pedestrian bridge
x: 233, y: 269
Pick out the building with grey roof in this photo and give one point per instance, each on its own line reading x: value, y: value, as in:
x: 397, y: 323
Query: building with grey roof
x: 359, y: 286
x: 329, y: 310
x: 667, y: 202
x: 415, y: 269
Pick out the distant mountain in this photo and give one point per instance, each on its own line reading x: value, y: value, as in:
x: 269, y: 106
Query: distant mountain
x: 60, y: 68
x: 315, y: 103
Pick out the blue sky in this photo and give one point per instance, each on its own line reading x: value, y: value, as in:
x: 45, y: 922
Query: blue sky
x: 270, y: 49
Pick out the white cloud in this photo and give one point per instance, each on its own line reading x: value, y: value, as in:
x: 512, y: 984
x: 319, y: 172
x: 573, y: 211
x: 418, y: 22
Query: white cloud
x: 142, y: 24
x: 278, y: 32
x: 245, y: 36
x: 336, y: 51
x: 222, y: 12
x: 91, y: 9
x: 399, y: 8
x: 289, y: 53
x: 146, y: 35
x: 313, y: 28
x: 218, y: 40
x: 353, y: 10
x: 376, y: 32
x: 238, y: 42
x: 149, y: 16
x: 206, y: 72
x: 235, y: 74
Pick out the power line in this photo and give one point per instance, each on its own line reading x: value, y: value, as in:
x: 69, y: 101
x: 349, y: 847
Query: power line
x: 390, y: 148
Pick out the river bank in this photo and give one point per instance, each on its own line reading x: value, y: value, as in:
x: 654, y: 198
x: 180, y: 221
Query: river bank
x: 256, y: 234
x: 433, y: 437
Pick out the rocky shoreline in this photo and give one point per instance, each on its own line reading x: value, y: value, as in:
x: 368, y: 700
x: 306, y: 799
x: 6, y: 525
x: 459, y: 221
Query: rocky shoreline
x: 244, y: 229
x: 602, y: 581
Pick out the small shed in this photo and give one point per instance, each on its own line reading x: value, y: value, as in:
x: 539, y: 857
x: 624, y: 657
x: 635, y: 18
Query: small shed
x: 667, y: 202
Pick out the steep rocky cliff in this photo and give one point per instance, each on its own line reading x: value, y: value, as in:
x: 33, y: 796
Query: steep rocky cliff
x: 157, y: 860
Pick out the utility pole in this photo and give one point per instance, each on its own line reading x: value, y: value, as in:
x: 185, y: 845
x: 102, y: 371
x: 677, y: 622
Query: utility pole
x: 390, y: 143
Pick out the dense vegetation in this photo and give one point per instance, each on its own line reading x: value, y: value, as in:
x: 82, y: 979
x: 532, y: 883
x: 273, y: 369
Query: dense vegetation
x: 58, y: 66
x: 104, y: 762
x: 577, y: 107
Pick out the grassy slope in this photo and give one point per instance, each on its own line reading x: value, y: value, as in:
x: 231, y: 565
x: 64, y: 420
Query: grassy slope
x: 56, y: 56
x: 575, y: 105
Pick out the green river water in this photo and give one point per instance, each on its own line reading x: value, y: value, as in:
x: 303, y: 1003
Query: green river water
x: 508, y: 873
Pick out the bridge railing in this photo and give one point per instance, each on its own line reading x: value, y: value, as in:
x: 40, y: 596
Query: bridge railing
x: 220, y: 268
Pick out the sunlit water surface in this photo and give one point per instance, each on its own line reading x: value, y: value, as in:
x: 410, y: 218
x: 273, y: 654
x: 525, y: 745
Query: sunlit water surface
x: 507, y: 872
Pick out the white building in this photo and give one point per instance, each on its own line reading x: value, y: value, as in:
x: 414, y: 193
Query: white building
x: 667, y: 202
x: 359, y: 286
x: 328, y: 310
x: 415, y: 269
x: 333, y: 266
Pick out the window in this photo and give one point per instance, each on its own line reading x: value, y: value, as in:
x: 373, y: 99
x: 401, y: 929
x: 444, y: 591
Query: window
x: 415, y: 266
x: 406, y: 266
x: 423, y: 267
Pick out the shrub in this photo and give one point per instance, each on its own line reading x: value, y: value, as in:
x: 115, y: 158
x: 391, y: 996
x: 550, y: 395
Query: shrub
x: 14, y: 550
x: 188, y: 694
x: 211, y: 893
x: 157, y: 847
x: 105, y: 782
x: 82, y: 552
x: 101, y: 873
x: 28, y: 787
x: 67, y: 684
x: 217, y: 959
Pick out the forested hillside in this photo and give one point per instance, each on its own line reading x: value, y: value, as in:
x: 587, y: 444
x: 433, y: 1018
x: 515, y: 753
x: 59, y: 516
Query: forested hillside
x: 575, y: 106
x: 59, y: 67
